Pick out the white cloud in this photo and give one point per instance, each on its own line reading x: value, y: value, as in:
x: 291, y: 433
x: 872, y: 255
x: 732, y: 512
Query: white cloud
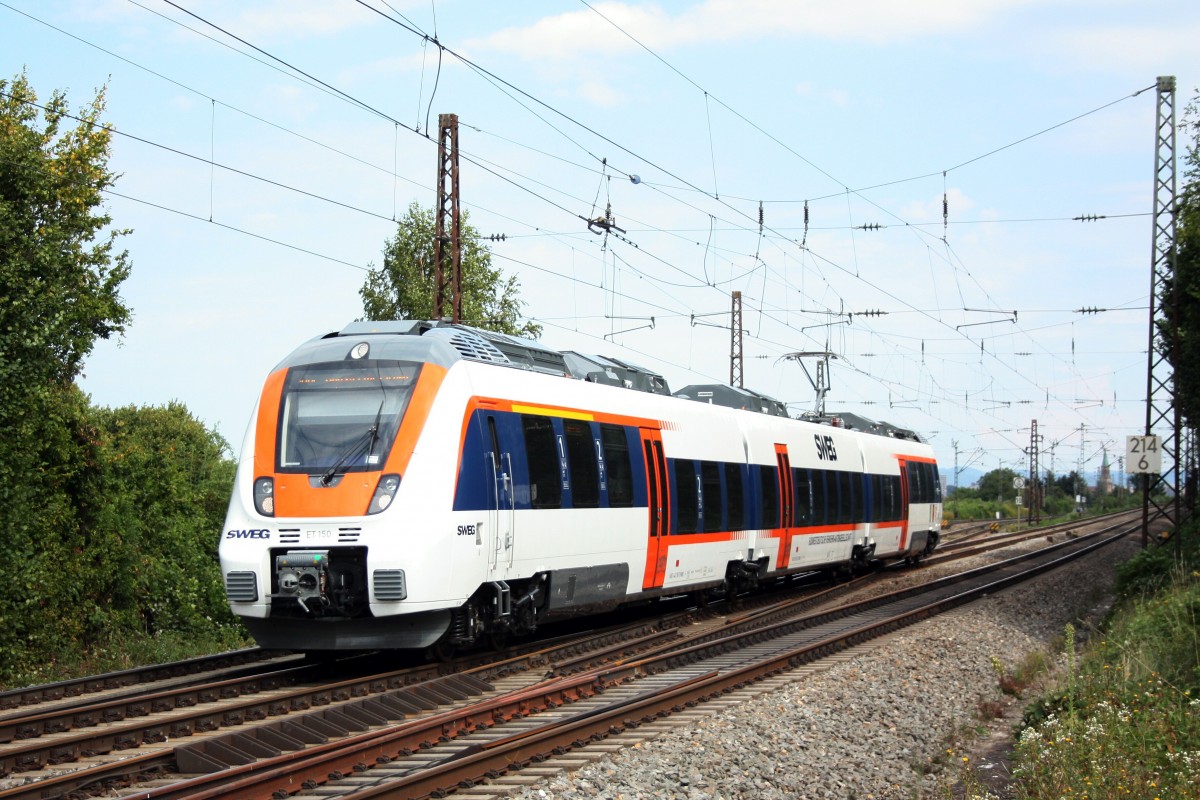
x: 263, y: 20
x: 99, y: 10
x: 582, y: 32
x: 600, y: 93
x: 300, y: 18
x: 1168, y: 49
x: 391, y: 66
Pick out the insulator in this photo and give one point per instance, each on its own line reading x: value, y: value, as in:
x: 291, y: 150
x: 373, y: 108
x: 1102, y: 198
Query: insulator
x: 760, y: 216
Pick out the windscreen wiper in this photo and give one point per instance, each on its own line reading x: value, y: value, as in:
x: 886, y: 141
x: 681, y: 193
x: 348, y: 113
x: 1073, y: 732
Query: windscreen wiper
x: 369, y: 438
x: 355, y: 449
x: 374, y: 431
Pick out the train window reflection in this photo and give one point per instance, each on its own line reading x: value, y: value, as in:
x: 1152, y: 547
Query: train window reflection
x: 342, y: 417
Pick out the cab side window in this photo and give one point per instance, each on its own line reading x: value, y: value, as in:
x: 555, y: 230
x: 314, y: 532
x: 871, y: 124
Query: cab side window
x: 545, y: 484
x: 584, y: 471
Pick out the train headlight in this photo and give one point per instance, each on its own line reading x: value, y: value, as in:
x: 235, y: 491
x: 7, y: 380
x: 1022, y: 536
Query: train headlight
x: 385, y: 492
x: 264, y: 496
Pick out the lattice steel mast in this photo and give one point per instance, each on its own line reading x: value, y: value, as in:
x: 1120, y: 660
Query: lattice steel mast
x: 1035, y: 481
x: 447, y: 273
x: 1162, y: 412
x: 735, y: 342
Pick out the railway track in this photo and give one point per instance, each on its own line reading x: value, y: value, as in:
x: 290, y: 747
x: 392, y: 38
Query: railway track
x: 360, y: 728
x: 156, y: 674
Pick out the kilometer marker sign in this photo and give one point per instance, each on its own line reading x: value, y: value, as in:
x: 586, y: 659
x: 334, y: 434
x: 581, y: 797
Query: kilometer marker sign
x: 1143, y: 455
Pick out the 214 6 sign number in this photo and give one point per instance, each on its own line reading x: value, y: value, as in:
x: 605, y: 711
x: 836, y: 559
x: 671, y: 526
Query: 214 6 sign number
x: 1143, y: 455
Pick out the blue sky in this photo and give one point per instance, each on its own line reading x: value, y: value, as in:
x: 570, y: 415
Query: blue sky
x: 871, y: 112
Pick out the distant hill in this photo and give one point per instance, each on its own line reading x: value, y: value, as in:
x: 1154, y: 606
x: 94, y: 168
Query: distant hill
x: 966, y: 477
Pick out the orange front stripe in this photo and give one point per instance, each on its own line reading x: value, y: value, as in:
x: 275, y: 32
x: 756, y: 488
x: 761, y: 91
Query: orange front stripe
x: 267, y: 425
x: 295, y: 494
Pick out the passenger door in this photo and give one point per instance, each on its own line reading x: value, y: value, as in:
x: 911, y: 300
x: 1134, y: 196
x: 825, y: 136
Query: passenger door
x: 501, y: 533
x: 659, y: 511
x: 786, y: 489
x: 905, y: 507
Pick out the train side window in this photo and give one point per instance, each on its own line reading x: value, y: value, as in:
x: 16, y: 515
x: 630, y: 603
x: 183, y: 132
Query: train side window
x: 616, y: 461
x: 937, y: 483
x: 770, y: 497
x: 863, y: 509
x: 582, y: 466
x: 686, y: 496
x: 885, y: 498
x: 856, y: 496
x: 843, y: 497
x: 820, y: 498
x: 914, y: 483
x: 877, y: 514
x: 802, y: 508
x: 710, y: 480
x: 545, y: 484
x: 734, y: 497
x: 894, y: 498
x: 847, y: 485
x: 833, y: 498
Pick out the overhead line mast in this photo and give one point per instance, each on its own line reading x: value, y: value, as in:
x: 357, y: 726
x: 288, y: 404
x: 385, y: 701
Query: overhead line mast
x: 735, y: 343
x: 447, y: 240
x: 1162, y: 410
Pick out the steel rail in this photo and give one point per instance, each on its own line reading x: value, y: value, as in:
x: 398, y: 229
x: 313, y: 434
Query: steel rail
x: 498, y: 757
x: 32, y: 695
x: 288, y: 773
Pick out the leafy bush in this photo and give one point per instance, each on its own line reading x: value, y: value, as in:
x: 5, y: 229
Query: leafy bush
x: 1153, y: 568
x: 1127, y: 724
x: 121, y: 546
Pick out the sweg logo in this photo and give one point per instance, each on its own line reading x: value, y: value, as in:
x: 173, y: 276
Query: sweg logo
x: 466, y: 530
x: 248, y: 533
x: 825, y: 448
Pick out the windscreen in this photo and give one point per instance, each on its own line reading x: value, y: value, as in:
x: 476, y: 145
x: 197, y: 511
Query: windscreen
x: 342, y: 416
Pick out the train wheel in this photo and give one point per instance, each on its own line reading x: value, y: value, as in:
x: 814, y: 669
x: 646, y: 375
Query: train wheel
x: 442, y: 651
x: 498, y: 638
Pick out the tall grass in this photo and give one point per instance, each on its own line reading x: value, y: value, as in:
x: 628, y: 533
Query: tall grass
x: 135, y: 650
x: 1127, y: 722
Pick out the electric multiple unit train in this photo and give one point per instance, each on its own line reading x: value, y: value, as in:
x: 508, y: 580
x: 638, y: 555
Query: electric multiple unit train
x: 419, y: 484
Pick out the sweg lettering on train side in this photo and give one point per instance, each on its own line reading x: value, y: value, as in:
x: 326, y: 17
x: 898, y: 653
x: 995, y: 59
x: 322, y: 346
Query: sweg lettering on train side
x: 248, y: 533
x: 466, y: 530
x: 825, y: 449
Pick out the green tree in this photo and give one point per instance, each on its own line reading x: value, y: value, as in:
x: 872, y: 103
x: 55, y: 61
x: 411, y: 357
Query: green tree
x: 59, y: 272
x: 59, y: 291
x: 160, y: 491
x: 110, y: 518
x: 1180, y: 324
x: 404, y: 287
x: 997, y: 484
